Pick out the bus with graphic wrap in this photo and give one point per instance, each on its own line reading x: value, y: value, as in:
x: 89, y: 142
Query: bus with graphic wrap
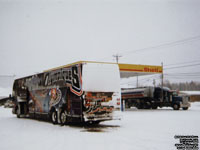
x: 78, y: 92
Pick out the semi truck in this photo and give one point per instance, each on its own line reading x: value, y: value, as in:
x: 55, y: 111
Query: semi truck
x: 78, y: 92
x: 153, y: 97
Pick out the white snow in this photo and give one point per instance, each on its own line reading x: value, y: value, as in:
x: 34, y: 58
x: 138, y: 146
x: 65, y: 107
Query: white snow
x: 4, y: 92
x: 100, y: 77
x: 138, y: 129
x: 190, y: 92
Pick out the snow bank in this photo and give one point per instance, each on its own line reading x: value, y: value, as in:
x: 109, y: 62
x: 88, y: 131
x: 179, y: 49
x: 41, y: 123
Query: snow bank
x: 190, y: 92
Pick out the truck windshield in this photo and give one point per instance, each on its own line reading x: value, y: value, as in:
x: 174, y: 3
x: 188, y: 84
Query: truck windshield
x: 99, y: 77
x: 174, y: 93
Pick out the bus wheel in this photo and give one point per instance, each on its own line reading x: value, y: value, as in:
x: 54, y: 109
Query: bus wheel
x: 154, y: 106
x: 185, y: 108
x: 18, y: 112
x: 63, y: 117
x: 54, y: 117
x: 95, y: 122
x: 176, y: 107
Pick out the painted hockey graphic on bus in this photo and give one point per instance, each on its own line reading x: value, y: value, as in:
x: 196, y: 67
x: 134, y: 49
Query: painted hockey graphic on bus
x: 73, y: 93
x: 71, y: 76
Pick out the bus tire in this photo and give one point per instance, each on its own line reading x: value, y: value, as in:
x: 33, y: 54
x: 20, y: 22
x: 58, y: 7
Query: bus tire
x: 54, y: 117
x: 17, y: 112
x: 147, y: 105
x: 140, y: 106
x: 176, y: 106
x: 127, y: 105
x: 63, y: 117
x: 95, y: 122
x: 185, y: 108
x: 154, y: 106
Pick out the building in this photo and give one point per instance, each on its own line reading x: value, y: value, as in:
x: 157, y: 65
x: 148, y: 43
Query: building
x: 194, y: 96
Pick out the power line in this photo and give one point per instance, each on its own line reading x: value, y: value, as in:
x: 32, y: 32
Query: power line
x: 183, y: 66
x: 186, y: 73
x: 143, y: 79
x: 183, y: 63
x: 172, y: 75
x: 178, y: 74
x: 183, y: 75
x: 141, y: 82
x: 169, y: 44
x: 178, y: 42
x: 181, y: 78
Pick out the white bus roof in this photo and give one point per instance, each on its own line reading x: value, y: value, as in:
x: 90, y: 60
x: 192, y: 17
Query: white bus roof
x: 126, y: 70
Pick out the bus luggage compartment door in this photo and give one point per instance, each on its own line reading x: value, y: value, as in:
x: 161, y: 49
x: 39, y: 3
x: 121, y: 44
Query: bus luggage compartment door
x: 22, y: 109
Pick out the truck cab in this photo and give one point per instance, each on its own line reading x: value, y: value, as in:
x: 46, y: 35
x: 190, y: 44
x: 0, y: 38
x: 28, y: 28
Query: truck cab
x: 171, y: 98
x: 180, y: 101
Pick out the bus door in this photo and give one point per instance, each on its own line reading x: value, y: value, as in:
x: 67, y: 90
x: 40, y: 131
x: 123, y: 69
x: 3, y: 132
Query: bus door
x: 22, y: 100
x: 74, y: 105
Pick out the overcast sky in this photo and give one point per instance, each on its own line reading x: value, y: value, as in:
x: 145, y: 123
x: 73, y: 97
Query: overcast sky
x: 40, y: 34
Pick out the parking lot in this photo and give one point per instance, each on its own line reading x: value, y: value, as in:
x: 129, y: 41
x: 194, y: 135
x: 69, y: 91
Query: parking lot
x: 137, y: 129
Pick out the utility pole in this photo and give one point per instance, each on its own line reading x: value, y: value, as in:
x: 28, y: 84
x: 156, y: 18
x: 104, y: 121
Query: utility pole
x: 154, y: 83
x: 117, y: 56
x: 137, y: 81
x: 162, y: 82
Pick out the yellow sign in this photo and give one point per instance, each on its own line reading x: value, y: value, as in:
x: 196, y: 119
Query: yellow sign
x: 140, y: 68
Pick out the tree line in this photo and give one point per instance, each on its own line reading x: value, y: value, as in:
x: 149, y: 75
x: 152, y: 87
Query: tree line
x: 182, y: 86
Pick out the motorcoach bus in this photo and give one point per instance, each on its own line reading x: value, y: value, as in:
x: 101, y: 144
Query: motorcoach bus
x: 78, y: 92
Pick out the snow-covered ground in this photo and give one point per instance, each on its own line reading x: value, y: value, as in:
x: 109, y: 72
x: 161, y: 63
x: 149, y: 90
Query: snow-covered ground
x: 138, y: 130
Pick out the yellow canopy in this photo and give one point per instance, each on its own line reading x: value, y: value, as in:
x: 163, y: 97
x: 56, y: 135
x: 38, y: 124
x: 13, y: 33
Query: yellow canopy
x: 130, y: 70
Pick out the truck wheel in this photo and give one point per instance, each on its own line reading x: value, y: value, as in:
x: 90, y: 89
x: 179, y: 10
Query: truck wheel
x: 63, y: 117
x: 147, y: 105
x: 127, y: 105
x: 54, y: 119
x: 154, y: 106
x: 176, y: 107
x: 185, y: 108
x: 140, y: 106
